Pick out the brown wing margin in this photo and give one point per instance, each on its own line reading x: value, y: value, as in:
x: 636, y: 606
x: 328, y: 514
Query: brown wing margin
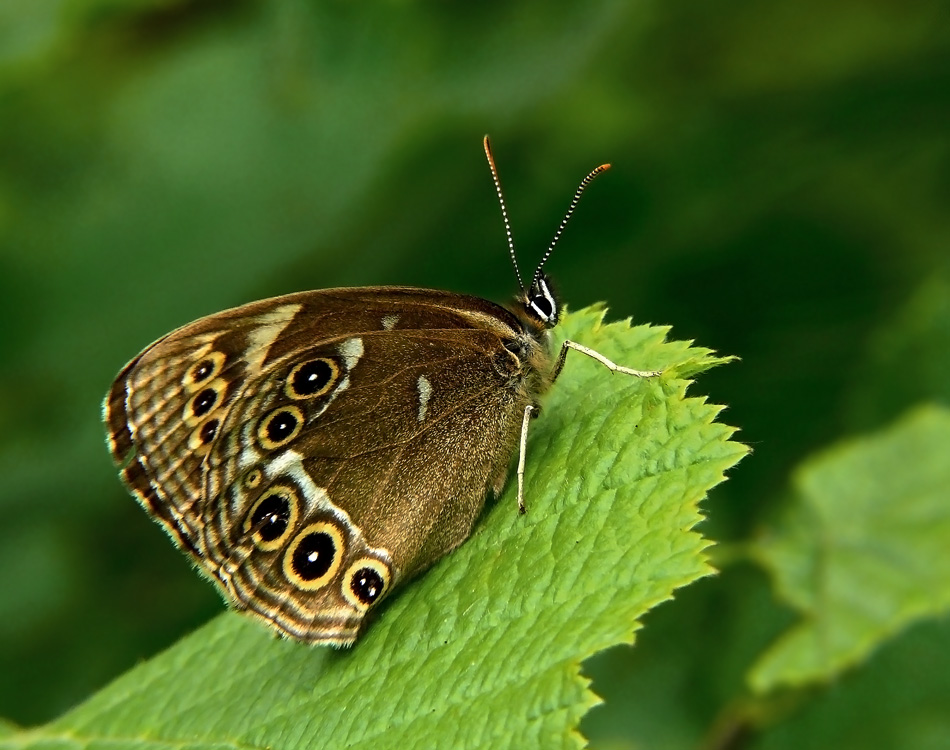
x: 116, y: 418
x: 133, y: 472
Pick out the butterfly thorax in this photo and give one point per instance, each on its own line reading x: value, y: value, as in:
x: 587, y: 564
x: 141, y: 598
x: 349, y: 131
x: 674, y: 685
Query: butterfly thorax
x: 538, y: 311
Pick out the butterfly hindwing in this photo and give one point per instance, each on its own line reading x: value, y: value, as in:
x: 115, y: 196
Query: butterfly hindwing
x: 313, y: 450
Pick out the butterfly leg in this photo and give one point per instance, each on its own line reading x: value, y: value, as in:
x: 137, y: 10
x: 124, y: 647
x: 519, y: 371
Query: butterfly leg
x: 533, y: 410
x: 612, y: 366
x: 530, y: 411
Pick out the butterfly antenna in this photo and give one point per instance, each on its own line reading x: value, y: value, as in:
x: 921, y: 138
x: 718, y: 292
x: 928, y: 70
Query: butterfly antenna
x: 557, y: 235
x: 504, y: 211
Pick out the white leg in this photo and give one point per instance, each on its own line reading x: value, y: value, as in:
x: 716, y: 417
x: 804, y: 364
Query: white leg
x: 521, y: 453
x: 559, y: 365
x: 612, y: 366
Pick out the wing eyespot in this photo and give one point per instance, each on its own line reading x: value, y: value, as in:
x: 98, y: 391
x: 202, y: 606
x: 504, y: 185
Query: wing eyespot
x: 253, y: 478
x: 273, y: 517
x: 366, y: 581
x: 204, y: 402
x: 279, y: 427
x: 203, y: 435
x: 203, y: 371
x: 312, y: 378
x: 314, y: 556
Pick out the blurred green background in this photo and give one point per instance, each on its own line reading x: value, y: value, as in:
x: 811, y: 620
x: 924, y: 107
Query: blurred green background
x: 779, y: 191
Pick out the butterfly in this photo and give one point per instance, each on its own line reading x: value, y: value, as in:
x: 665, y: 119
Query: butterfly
x: 310, y: 452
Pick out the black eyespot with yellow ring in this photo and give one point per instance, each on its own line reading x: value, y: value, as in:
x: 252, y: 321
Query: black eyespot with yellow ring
x: 280, y: 427
x: 203, y: 371
x: 314, y: 556
x: 366, y: 581
x: 205, y: 401
x: 253, y: 478
x: 312, y: 378
x: 273, y: 517
x: 203, y: 435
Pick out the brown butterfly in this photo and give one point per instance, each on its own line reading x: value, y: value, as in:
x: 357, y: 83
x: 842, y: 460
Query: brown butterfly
x: 311, y: 451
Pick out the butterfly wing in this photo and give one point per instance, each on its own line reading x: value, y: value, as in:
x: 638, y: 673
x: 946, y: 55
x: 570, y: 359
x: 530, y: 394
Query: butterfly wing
x: 350, y: 441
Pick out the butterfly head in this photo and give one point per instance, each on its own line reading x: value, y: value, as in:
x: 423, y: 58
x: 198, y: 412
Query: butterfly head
x: 538, y: 300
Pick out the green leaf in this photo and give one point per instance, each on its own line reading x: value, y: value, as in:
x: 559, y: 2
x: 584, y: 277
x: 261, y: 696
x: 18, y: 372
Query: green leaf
x: 485, y: 649
x: 897, y: 701
x: 864, y: 551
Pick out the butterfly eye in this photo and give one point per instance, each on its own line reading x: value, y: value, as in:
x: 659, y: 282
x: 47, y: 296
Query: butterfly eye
x: 207, y: 368
x: 280, y: 427
x: 542, y: 306
x: 541, y: 302
x: 272, y: 517
x: 365, y: 582
x: 314, y: 556
x: 311, y: 379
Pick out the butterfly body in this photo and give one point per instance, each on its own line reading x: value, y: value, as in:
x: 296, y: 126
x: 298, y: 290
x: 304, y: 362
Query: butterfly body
x: 311, y: 451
